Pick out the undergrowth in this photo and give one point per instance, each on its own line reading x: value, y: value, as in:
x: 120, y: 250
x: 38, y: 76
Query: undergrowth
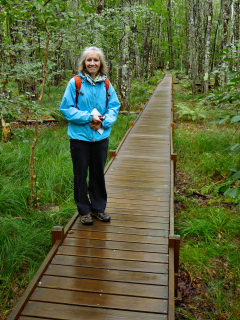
x: 206, y: 219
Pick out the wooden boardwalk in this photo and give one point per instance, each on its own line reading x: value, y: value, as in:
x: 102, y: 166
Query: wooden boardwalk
x: 118, y: 270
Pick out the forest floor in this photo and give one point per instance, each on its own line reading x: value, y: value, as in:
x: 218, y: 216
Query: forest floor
x: 209, y: 286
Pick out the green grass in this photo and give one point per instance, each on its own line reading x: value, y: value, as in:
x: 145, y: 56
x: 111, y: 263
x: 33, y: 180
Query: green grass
x: 142, y: 89
x: 210, y: 254
x: 202, y: 148
x: 209, y: 226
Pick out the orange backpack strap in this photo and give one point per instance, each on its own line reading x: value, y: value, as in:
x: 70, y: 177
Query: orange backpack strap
x: 107, y: 84
x: 77, y: 86
x: 107, y: 93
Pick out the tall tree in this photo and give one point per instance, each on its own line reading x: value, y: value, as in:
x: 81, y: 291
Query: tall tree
x: 170, y: 35
x: 208, y: 28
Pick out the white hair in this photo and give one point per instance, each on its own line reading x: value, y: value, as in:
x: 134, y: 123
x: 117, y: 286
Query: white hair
x: 82, y: 66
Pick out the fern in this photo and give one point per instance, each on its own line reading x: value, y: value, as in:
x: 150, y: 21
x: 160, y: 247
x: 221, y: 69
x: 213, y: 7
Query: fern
x: 191, y: 114
x: 57, y: 115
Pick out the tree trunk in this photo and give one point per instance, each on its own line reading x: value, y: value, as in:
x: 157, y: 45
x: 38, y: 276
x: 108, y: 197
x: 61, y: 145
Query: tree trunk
x: 236, y: 23
x: 31, y: 161
x: 208, y: 28
x: 170, y: 36
x: 125, y: 69
x: 192, y: 14
x: 187, y: 55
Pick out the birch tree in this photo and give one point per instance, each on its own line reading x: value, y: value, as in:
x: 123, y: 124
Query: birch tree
x: 208, y: 28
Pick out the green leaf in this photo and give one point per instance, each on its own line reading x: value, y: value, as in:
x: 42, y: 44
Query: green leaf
x: 224, y: 120
x: 236, y: 175
x: 4, y: 111
x: 223, y: 188
x: 232, y: 74
x: 235, y: 79
x: 220, y: 54
x: 228, y: 59
x: 227, y: 97
x: 235, y: 146
x: 233, y: 193
x: 235, y: 119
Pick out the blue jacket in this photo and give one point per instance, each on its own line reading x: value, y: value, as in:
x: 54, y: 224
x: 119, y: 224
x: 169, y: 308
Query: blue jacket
x: 79, y: 116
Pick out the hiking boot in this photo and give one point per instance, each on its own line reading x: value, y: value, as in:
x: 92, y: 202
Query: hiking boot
x: 101, y: 216
x: 87, y: 219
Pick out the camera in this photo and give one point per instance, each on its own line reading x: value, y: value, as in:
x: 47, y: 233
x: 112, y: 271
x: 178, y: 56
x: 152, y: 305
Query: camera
x: 101, y: 118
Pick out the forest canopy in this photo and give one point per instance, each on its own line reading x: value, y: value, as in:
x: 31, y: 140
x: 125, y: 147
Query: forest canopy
x: 138, y: 37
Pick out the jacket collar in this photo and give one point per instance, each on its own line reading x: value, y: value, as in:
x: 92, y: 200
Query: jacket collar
x: 90, y: 80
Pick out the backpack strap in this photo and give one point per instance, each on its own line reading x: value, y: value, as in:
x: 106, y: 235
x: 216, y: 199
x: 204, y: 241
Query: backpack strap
x: 107, y: 93
x: 78, y: 86
x: 107, y: 84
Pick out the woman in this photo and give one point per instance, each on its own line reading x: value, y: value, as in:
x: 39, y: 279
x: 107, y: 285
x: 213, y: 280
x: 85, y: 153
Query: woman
x: 89, y: 134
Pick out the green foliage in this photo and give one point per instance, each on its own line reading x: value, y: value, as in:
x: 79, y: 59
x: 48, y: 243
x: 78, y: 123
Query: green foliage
x: 205, y: 151
x: 142, y: 89
x: 209, y: 224
x: 195, y: 113
x: 228, y: 97
x: 209, y: 251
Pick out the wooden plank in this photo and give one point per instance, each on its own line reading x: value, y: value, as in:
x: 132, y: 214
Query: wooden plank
x: 113, y: 254
x: 155, y: 193
x: 100, y: 300
x: 37, y: 309
x: 138, y: 218
x: 88, y: 233
x: 140, y: 208
x: 30, y: 289
x: 164, y: 185
x: 90, y: 262
x: 104, y: 227
x: 162, y: 213
x: 140, y: 201
x: 101, y: 286
x: 115, y: 245
x: 153, y: 189
x: 129, y: 224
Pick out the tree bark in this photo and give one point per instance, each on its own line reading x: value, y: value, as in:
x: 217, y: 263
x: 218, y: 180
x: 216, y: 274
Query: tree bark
x: 125, y: 68
x: 192, y: 14
x: 208, y: 28
x: 170, y: 36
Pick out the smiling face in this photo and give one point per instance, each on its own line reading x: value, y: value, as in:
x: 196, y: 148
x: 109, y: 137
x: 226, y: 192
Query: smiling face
x: 93, y: 63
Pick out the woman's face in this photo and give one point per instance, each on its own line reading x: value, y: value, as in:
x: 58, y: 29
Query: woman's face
x: 92, y: 63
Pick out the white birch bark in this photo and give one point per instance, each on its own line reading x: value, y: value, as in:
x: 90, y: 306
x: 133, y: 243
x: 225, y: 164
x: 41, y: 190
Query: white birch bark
x: 125, y: 70
x: 191, y: 4
x: 206, y: 66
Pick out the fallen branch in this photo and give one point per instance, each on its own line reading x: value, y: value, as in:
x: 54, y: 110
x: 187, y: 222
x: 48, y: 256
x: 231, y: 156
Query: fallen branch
x: 33, y: 121
x: 199, y: 194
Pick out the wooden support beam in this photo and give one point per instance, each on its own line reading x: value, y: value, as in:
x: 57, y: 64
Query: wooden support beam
x: 173, y: 127
x: 57, y: 234
x: 112, y: 154
x: 130, y: 124
x: 174, y: 159
x: 174, y: 242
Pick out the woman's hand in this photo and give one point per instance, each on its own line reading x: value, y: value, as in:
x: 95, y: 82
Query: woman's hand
x: 96, y: 123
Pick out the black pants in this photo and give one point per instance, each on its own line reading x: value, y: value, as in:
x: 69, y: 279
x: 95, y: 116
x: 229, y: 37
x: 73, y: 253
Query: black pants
x: 90, y: 156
